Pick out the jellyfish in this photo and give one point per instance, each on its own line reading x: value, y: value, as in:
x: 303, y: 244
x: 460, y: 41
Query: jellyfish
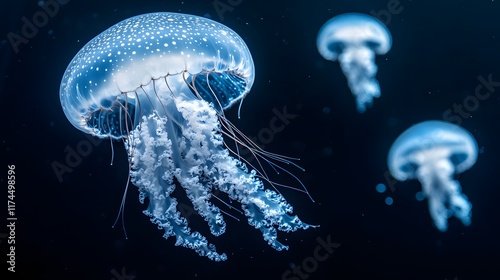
x: 160, y: 82
x: 433, y: 152
x: 353, y: 39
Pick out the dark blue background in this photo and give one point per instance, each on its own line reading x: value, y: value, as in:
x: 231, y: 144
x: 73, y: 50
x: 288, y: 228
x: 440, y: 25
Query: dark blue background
x: 439, y: 50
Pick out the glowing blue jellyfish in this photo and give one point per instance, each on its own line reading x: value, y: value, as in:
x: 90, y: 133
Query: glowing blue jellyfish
x: 354, y: 39
x: 160, y: 82
x: 432, y: 152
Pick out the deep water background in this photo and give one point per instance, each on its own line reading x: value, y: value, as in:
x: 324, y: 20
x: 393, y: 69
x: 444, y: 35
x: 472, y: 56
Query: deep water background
x: 440, y: 48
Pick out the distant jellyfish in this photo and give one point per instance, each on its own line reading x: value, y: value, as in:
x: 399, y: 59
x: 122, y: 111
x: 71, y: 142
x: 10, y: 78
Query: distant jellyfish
x: 432, y: 152
x: 354, y: 39
x: 160, y: 82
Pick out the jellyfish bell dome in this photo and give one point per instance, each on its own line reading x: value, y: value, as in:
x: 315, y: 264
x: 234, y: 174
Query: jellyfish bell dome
x: 431, y: 141
x: 353, y: 30
x: 170, y: 53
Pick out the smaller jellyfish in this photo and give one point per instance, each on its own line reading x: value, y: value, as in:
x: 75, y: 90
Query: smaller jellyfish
x: 432, y: 152
x: 353, y: 39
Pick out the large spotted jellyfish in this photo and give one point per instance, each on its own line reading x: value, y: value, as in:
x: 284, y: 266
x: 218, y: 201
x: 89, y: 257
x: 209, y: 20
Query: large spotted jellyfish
x: 433, y: 152
x: 354, y: 39
x: 160, y: 82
